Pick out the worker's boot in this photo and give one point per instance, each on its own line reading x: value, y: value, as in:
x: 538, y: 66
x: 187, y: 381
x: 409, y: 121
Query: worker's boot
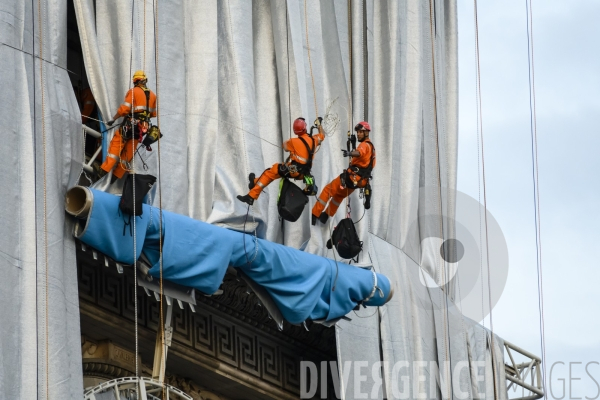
x: 313, y: 219
x: 246, y: 199
x: 251, y: 178
x: 323, y: 217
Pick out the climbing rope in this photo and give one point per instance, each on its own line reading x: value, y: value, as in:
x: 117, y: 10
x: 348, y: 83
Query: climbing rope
x: 43, y: 120
x: 160, y: 208
x: 248, y: 260
x: 287, y: 49
x: 443, y: 269
x: 135, y: 297
x: 350, y: 99
x: 312, y: 77
x: 492, y: 350
x: 536, y: 185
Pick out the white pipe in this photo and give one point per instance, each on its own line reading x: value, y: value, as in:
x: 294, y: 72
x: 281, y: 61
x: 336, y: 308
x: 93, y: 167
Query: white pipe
x: 78, y: 201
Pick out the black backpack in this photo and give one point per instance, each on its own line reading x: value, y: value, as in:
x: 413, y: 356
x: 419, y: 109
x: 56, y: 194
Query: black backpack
x: 345, y: 239
x: 291, y: 201
x: 143, y: 184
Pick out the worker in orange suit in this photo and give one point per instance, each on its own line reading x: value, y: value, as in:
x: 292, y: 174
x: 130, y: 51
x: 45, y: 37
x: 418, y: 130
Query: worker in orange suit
x: 88, y: 104
x: 137, y: 108
x: 297, y: 166
x: 356, y: 176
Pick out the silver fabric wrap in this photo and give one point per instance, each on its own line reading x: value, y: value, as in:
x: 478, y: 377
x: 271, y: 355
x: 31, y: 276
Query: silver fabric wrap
x: 231, y: 78
x: 39, y: 317
x: 421, y: 328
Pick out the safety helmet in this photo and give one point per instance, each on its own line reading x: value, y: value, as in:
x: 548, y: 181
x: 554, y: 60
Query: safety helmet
x: 362, y: 125
x: 299, y: 126
x: 139, y: 76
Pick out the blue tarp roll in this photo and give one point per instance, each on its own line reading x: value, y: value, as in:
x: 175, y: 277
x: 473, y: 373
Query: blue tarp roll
x: 197, y: 254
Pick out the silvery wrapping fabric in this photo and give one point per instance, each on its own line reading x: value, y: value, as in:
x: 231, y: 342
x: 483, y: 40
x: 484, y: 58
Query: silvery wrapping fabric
x: 422, y: 333
x: 40, y: 352
x: 231, y: 77
x: 234, y: 75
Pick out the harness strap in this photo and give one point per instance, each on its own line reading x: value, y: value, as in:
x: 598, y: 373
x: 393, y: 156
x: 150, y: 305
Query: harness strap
x: 366, y: 171
x: 310, y: 153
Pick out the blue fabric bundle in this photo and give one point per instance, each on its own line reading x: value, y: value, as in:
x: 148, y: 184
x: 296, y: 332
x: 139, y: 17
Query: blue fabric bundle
x: 197, y: 254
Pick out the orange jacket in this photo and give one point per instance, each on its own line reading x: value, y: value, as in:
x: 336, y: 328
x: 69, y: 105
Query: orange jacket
x: 297, y: 149
x: 87, y: 98
x: 139, y: 102
x: 364, y: 159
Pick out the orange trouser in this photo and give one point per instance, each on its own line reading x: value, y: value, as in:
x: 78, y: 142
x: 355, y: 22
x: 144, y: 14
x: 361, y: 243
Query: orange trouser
x: 334, y: 191
x: 267, y: 177
x: 337, y: 193
x: 119, y: 151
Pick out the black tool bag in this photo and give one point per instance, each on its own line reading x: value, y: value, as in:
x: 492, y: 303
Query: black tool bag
x: 345, y: 239
x: 143, y: 184
x: 292, y: 201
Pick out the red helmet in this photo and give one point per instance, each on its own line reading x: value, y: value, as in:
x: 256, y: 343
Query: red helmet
x: 362, y: 125
x: 299, y: 126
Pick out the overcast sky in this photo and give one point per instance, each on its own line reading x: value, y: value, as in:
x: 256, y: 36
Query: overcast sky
x: 567, y: 67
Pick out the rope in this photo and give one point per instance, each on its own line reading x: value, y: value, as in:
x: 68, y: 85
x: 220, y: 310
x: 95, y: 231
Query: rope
x: 135, y: 300
x: 43, y: 120
x: 287, y: 49
x: 536, y: 185
x: 249, y: 261
x: 337, y: 268
x: 33, y: 57
x: 350, y: 96
x: 478, y: 113
x: 492, y: 352
x: 144, y: 53
x: 312, y: 78
x: 443, y: 269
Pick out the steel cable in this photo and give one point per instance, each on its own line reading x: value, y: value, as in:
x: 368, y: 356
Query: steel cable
x: 443, y: 271
x: 536, y: 185
x: 493, y: 347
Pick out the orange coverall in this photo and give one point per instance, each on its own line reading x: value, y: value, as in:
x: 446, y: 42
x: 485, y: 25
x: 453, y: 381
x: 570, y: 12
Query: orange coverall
x: 298, y: 153
x: 335, y: 191
x: 120, y: 150
x: 88, y: 104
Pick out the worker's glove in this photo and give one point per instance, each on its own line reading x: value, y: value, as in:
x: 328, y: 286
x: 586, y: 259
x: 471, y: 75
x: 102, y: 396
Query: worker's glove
x: 318, y: 121
x: 353, y: 141
x: 110, y: 123
x: 346, y: 153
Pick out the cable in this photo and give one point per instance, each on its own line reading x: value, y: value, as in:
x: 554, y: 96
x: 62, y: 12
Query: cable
x: 248, y: 261
x: 43, y: 119
x: 443, y: 270
x: 287, y: 49
x: 478, y: 113
x: 337, y: 268
x: 135, y: 300
x: 160, y: 208
x: 310, y: 61
x: 492, y: 350
x: 350, y: 96
x: 536, y: 185
x: 33, y: 57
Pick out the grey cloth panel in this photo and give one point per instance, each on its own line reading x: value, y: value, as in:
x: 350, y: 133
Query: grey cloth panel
x: 25, y: 315
x: 358, y: 341
x: 223, y: 86
x: 479, y: 341
x: 421, y: 324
